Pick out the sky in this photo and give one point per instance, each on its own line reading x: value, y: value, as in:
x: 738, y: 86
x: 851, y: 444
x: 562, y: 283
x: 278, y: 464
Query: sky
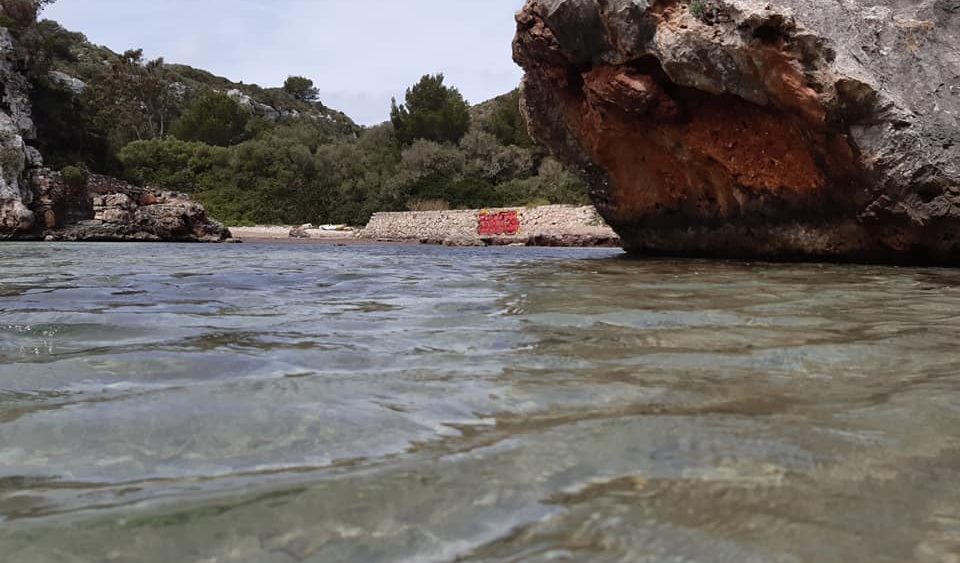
x: 360, y: 53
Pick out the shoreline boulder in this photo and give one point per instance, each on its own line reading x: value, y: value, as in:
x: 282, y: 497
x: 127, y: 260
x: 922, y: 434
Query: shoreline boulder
x: 105, y: 209
x: 782, y: 129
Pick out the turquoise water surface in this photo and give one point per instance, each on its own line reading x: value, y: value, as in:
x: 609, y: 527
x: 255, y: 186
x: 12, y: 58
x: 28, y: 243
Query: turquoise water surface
x: 291, y: 403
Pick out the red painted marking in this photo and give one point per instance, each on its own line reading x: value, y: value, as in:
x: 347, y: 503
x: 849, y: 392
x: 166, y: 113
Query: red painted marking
x: 499, y: 223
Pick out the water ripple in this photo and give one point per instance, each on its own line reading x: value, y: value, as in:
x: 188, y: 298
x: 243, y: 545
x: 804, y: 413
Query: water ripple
x: 275, y: 403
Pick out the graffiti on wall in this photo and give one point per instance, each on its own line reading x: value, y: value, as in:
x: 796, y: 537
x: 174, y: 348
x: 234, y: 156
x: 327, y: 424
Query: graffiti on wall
x: 498, y: 223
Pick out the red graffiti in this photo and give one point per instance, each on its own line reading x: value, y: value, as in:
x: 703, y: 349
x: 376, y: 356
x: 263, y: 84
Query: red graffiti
x: 498, y: 223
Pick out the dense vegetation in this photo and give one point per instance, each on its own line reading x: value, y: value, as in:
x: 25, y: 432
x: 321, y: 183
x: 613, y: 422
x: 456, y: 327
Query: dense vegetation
x: 278, y: 155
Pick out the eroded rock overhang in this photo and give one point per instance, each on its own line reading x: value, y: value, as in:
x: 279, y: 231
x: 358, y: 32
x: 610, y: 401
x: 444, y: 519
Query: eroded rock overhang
x: 735, y: 128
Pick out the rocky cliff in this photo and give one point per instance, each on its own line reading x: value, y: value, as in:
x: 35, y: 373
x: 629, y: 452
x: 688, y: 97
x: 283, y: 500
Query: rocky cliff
x: 39, y: 203
x: 15, y: 155
x: 745, y: 128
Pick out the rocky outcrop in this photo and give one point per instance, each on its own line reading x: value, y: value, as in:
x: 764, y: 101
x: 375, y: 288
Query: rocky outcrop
x: 261, y: 109
x: 15, y: 156
x: 67, y: 82
x: 106, y: 209
x: 778, y: 128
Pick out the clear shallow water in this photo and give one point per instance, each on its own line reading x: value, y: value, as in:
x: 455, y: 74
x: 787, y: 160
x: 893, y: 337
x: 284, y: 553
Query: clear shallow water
x: 289, y: 403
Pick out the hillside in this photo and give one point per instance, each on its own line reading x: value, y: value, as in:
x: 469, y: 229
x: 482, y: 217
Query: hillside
x: 254, y: 154
x: 66, y: 100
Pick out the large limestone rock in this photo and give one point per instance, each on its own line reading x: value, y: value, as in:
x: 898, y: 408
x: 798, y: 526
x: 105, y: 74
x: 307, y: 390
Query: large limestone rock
x: 107, y: 209
x: 745, y: 128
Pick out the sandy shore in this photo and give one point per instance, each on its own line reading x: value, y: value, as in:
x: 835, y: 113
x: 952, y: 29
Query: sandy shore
x: 280, y: 233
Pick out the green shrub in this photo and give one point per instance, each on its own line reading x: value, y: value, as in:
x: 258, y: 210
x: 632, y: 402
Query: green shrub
x: 431, y: 111
x: 507, y: 123
x: 699, y: 9
x: 301, y: 89
x: 215, y: 119
x: 75, y: 176
x: 173, y: 164
x: 18, y: 14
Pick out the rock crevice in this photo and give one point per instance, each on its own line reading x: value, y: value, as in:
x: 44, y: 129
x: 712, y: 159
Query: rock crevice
x: 754, y: 129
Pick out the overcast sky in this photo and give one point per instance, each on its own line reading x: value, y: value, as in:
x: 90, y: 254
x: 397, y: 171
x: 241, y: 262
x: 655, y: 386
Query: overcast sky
x: 360, y: 53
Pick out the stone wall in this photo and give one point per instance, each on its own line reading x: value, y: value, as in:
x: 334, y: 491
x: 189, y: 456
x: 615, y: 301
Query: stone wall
x: 553, y: 225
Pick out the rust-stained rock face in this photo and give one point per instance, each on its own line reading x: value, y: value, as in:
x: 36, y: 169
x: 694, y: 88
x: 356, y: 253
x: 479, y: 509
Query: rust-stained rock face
x: 785, y: 129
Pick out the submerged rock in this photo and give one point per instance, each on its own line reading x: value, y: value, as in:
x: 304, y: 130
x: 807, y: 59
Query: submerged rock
x: 743, y: 128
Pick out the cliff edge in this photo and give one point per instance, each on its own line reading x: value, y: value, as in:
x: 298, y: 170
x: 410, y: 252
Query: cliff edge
x: 786, y: 129
x: 16, y: 125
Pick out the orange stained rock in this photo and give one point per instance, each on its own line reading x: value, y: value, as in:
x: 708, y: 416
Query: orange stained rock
x: 670, y: 149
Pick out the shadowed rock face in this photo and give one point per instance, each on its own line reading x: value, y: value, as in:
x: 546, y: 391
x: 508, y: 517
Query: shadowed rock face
x: 15, y: 156
x: 792, y: 129
x: 107, y: 209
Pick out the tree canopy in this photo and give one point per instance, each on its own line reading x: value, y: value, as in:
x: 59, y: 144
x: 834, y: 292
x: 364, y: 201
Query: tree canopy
x: 432, y: 111
x: 215, y: 119
x: 135, y: 98
x: 507, y: 123
x: 301, y: 88
x: 21, y: 13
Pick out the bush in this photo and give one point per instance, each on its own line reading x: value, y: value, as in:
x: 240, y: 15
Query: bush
x: 489, y: 159
x: 431, y: 111
x: 507, y: 123
x: 215, y: 119
x: 427, y: 158
x: 301, y: 89
x: 173, y: 164
x: 699, y: 9
x: 75, y: 176
x: 18, y: 14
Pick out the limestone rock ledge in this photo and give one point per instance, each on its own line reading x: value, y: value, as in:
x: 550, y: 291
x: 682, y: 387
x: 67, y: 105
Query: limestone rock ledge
x: 106, y: 209
x: 784, y: 129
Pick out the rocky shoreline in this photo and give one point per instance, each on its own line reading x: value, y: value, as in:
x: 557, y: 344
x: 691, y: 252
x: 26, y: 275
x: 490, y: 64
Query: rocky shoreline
x: 105, y: 209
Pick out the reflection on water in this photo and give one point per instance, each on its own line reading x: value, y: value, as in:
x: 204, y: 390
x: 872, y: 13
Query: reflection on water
x: 315, y: 403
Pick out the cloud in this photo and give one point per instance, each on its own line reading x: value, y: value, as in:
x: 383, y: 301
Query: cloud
x: 360, y: 54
